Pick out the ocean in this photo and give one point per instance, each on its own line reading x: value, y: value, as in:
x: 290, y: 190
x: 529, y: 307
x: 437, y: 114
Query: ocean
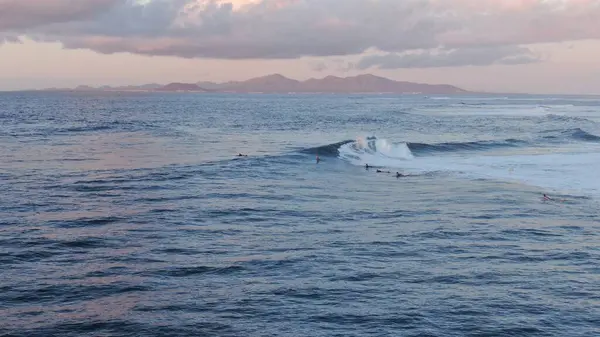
x: 131, y: 214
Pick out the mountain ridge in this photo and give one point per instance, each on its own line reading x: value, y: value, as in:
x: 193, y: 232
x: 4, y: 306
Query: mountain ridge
x: 277, y: 83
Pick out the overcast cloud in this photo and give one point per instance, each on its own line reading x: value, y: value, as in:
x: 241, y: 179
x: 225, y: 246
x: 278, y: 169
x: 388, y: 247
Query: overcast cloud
x: 482, y: 56
x: 469, y: 32
x: 23, y: 14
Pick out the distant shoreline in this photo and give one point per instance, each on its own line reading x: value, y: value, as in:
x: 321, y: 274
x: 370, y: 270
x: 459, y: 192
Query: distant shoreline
x: 250, y: 93
x: 276, y: 83
x: 470, y: 93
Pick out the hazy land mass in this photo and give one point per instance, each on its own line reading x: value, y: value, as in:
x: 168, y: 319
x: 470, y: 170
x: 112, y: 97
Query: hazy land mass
x: 280, y: 84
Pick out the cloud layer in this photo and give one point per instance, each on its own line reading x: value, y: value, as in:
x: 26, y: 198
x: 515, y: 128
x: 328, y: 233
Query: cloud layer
x: 414, y: 33
x: 23, y: 14
x: 484, y: 56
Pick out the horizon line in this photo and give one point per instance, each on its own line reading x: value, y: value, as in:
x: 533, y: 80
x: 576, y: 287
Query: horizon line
x: 121, y: 88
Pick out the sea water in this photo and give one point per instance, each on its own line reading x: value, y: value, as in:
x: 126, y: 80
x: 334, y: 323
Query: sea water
x: 131, y: 214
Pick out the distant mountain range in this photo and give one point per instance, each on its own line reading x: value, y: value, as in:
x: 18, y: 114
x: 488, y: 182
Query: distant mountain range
x: 280, y: 84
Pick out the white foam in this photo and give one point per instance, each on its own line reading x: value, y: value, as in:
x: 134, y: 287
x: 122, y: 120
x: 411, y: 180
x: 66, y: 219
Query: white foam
x: 468, y: 98
x: 571, y: 173
x: 564, y: 172
x: 490, y: 110
x: 511, y: 110
x: 378, y: 152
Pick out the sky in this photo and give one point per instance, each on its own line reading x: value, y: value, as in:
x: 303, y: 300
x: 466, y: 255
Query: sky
x: 532, y: 46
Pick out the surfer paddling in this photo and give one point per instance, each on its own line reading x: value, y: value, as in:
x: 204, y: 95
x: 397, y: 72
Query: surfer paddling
x: 545, y: 197
x: 398, y: 174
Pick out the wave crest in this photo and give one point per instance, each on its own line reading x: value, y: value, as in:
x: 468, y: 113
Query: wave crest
x: 376, y: 152
x: 330, y: 150
x: 580, y: 134
x: 381, y: 152
x: 574, y: 134
x: 423, y: 148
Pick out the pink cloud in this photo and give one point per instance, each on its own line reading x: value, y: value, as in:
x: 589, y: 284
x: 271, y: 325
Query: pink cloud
x: 296, y: 28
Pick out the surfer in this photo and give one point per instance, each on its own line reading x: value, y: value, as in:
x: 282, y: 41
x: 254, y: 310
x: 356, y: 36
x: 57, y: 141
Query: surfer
x: 242, y: 155
x: 398, y: 175
x: 318, y: 159
x: 367, y: 166
x: 380, y: 171
x: 547, y: 198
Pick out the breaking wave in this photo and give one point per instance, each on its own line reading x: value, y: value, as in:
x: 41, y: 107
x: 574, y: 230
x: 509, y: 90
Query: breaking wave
x: 423, y: 148
x: 331, y: 150
x: 374, y: 151
x: 373, y: 148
